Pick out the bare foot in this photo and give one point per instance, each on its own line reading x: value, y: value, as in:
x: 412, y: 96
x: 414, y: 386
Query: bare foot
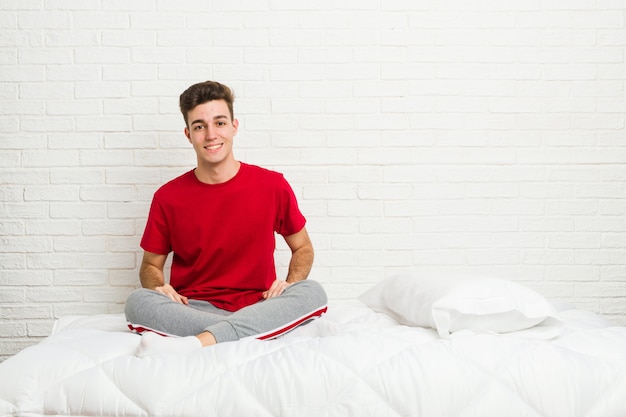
x: 152, y: 344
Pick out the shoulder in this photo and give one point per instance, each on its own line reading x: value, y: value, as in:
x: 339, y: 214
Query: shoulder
x: 263, y: 174
x: 176, y: 184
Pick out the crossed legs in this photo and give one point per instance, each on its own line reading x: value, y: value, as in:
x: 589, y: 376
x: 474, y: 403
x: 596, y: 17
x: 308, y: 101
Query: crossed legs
x: 202, y: 324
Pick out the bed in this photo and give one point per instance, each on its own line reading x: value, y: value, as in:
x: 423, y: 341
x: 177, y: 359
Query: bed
x: 410, y: 346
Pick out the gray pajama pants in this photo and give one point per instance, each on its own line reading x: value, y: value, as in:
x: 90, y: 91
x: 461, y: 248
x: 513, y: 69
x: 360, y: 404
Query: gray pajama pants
x: 148, y: 310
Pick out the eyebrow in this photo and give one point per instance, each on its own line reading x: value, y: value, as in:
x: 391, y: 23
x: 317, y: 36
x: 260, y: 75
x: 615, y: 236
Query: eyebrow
x: 218, y: 117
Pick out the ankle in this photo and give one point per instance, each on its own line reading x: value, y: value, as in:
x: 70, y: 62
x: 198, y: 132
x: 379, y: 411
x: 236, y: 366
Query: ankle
x: 207, y: 339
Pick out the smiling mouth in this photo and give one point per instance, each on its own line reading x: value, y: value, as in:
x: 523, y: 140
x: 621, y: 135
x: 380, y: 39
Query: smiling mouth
x: 213, y: 147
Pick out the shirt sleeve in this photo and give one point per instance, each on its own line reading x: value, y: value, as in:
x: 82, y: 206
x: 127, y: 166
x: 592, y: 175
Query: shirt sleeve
x: 156, y: 236
x: 289, y: 218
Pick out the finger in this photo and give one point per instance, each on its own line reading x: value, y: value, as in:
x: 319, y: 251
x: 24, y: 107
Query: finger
x: 270, y: 293
x: 172, y: 295
x: 280, y: 288
x: 178, y: 298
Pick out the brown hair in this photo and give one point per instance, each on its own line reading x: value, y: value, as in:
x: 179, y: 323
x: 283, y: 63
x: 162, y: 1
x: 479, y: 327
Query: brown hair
x: 204, y: 92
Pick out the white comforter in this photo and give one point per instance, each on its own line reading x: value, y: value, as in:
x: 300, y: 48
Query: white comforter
x: 351, y: 362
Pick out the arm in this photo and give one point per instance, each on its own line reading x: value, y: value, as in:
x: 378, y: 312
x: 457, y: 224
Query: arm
x: 301, y: 256
x: 151, y: 276
x: 300, y: 264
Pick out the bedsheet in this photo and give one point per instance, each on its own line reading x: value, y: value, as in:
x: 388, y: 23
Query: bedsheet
x: 351, y: 362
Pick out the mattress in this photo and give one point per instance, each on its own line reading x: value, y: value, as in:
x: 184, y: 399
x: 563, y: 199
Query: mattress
x: 354, y: 361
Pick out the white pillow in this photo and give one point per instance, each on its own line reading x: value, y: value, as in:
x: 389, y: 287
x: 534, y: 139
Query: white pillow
x: 450, y: 303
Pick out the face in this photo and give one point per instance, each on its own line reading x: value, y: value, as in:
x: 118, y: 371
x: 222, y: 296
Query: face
x: 211, y: 131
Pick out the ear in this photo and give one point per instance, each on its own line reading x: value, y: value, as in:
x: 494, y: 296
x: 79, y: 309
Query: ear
x: 235, y: 126
x: 187, y: 134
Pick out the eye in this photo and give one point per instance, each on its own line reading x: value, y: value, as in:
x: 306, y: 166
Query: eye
x: 221, y: 124
x: 198, y: 127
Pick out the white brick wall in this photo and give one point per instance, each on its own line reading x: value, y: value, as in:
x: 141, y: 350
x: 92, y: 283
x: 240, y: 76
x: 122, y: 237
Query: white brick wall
x: 484, y: 136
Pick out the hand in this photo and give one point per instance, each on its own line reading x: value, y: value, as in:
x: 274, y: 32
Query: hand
x: 277, y: 288
x: 168, y: 290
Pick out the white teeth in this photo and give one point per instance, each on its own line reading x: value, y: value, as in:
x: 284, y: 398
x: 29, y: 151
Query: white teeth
x: 212, y: 147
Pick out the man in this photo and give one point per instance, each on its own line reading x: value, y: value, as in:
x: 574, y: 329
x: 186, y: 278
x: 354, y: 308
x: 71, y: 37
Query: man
x: 219, y: 221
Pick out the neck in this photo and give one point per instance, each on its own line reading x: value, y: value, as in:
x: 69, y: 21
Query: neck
x: 217, y: 174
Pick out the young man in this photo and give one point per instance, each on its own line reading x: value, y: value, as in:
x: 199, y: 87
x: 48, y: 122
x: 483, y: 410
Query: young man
x: 219, y: 221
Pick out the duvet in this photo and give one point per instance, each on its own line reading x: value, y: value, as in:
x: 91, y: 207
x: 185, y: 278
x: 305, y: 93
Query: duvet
x: 353, y: 361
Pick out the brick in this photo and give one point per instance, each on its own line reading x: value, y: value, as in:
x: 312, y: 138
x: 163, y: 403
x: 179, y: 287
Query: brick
x: 20, y: 5
x: 73, y: 107
x: 72, y: 73
x: 341, y: 174
x: 137, y: 71
x: 123, y: 244
x: 108, y: 261
x: 12, y: 295
x: 408, y: 104
x: 45, y: 56
x: 132, y: 176
x: 11, y: 193
x: 612, y: 208
x: 73, y: 38
x: 10, y: 159
x: 79, y: 244
x: 614, y: 306
x: 39, y: 328
x: 492, y: 257
x: 385, y: 121
x: 102, y: 89
x: 105, y: 158
x: 56, y: 90
x: 124, y: 278
x: 345, y: 70
x: 23, y: 311
x: 548, y: 256
x: 546, y: 224
x: 411, y: 242
x: 77, y: 210
x: 13, y: 329
x: 44, y: 20
x: 602, y: 224
x: 10, y: 347
x: 23, y: 210
x: 76, y: 176
x: 109, y: 295
x: 439, y: 258
x: 56, y: 295
x: 601, y: 190
x: 51, y: 193
x: 70, y: 278
x: 572, y: 273
x: 91, y: 18
x: 599, y: 156
x: 599, y: 122
x: 52, y: 227
x: 439, y: 224
x: 151, y: 123
x: 103, y: 123
x: 518, y: 240
x: 381, y: 226
x: 181, y: 158
x: 51, y: 261
x: 569, y: 37
x: 123, y: 227
x: 78, y: 308
x: 384, y: 259
x: 597, y: 88
x: 572, y: 207
x: 574, y: 240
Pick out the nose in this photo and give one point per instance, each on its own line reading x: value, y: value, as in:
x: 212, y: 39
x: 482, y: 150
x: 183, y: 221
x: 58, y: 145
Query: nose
x: 211, y: 132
